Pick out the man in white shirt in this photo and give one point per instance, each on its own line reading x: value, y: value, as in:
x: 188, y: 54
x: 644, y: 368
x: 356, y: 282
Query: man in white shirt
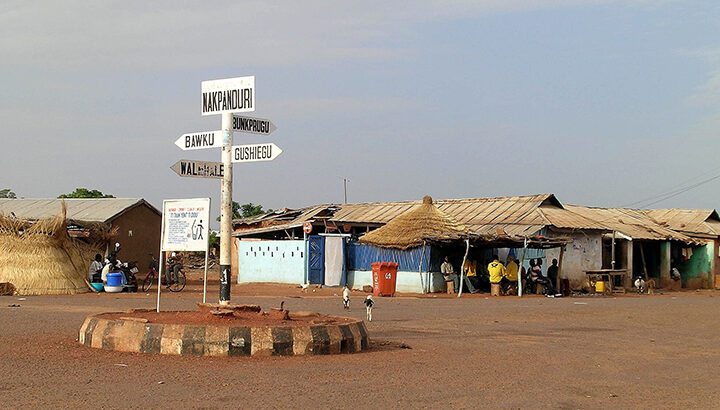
x: 95, y: 269
x: 448, y: 273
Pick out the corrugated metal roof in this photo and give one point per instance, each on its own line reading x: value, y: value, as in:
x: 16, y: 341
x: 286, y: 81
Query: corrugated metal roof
x: 86, y: 210
x: 697, y: 221
x: 630, y: 222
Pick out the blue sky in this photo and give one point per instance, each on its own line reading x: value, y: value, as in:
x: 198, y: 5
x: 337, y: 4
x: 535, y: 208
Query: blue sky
x: 602, y: 103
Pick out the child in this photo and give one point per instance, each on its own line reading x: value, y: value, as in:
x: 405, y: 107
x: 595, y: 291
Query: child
x: 346, y: 298
x: 369, y: 302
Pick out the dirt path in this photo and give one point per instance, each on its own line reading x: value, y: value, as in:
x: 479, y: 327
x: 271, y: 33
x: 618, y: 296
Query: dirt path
x: 646, y: 352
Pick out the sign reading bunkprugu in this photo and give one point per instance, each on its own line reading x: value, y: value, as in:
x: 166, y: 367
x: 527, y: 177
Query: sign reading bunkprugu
x: 228, y: 95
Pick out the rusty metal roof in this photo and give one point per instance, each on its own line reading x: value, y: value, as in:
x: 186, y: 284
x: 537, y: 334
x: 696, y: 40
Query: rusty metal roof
x: 630, y: 222
x: 691, y: 221
x: 84, y: 210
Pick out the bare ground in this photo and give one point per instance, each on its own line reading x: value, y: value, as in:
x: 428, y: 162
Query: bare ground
x: 657, y: 351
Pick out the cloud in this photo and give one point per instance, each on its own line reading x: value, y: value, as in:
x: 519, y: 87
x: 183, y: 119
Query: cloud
x: 200, y: 35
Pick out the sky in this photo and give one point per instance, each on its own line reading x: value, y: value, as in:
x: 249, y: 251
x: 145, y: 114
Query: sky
x: 603, y: 103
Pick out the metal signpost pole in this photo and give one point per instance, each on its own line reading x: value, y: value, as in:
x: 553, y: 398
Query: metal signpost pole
x: 207, y: 250
x: 226, y: 209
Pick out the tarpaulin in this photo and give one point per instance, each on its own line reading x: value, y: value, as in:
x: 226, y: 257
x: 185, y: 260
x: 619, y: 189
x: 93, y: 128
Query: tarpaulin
x: 361, y: 256
x: 333, y: 260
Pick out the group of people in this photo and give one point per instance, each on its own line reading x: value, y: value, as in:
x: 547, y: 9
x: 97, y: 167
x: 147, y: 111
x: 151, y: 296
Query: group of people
x: 504, y: 275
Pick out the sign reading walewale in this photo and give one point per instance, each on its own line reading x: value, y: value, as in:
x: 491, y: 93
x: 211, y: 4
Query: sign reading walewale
x: 200, y: 140
x: 228, y: 95
x: 255, y: 152
x: 198, y: 169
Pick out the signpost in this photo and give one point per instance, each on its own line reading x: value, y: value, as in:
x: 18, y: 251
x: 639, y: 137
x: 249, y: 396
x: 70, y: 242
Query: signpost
x: 253, y: 125
x: 255, y: 152
x: 226, y: 97
x: 198, y: 169
x: 185, y: 228
x: 199, y: 140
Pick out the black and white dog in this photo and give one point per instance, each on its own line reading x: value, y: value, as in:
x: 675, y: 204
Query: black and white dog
x: 369, y: 302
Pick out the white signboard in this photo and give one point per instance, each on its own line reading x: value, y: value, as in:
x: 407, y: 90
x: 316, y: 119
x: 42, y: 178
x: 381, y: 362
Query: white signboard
x: 255, y: 152
x: 185, y: 224
x: 228, y: 95
x: 200, y: 140
x: 252, y: 125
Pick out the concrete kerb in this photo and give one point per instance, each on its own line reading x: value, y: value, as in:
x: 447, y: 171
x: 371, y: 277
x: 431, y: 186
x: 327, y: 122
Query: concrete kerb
x: 125, y: 335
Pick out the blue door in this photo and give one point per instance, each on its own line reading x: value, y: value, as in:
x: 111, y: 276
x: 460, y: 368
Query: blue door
x: 316, y: 260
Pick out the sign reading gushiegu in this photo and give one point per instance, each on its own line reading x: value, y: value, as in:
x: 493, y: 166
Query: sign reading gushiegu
x: 185, y: 224
x: 228, y: 95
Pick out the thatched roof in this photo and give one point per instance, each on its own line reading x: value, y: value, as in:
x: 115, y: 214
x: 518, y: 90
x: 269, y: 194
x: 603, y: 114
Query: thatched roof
x: 40, y: 258
x: 422, y: 223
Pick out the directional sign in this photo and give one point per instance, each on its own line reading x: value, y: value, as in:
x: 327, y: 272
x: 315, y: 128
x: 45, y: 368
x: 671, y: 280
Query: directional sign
x: 255, y: 152
x: 198, y: 169
x: 253, y: 125
x: 228, y: 95
x: 200, y: 140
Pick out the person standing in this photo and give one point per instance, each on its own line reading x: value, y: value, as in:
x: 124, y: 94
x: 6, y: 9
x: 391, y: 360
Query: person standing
x: 448, y: 273
x: 552, y: 273
x: 511, y: 275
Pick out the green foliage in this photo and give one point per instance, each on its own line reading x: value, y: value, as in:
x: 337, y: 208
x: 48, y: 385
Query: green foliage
x: 85, y: 193
x: 6, y: 193
x: 214, y: 239
x: 246, y: 210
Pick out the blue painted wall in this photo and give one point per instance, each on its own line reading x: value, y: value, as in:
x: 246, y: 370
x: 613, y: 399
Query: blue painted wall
x: 271, y: 261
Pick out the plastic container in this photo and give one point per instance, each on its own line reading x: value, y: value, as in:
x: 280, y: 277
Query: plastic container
x: 384, y: 278
x: 113, y: 289
x: 97, y: 286
x: 600, y: 286
x: 114, y: 279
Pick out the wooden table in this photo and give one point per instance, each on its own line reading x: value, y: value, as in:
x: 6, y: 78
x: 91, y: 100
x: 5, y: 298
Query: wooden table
x: 610, y: 274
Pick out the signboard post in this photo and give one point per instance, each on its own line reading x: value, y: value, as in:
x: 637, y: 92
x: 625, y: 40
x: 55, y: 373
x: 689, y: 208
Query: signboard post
x: 227, y: 97
x: 185, y: 228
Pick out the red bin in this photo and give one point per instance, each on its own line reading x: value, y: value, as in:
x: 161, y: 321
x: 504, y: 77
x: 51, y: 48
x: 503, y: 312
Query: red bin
x: 384, y: 278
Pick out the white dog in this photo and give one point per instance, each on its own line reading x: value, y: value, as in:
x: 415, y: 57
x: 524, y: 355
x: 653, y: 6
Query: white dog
x: 369, y: 302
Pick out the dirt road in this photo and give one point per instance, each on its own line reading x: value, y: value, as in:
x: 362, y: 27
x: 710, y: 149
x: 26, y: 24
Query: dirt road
x: 585, y: 352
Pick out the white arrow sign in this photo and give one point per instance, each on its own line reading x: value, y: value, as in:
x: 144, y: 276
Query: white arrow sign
x: 198, y: 169
x: 255, y: 152
x: 253, y: 125
x: 228, y: 95
x: 200, y: 140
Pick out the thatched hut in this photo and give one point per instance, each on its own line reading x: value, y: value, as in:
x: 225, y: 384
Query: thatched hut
x: 40, y: 258
x: 416, y: 227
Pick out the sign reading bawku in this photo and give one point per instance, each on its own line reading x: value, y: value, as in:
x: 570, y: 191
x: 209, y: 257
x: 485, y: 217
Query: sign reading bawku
x: 200, y: 140
x: 228, y: 95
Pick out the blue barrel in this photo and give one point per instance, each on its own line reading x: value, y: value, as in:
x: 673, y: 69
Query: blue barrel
x: 114, y: 279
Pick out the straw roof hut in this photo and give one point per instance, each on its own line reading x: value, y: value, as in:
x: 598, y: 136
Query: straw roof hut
x: 422, y: 223
x: 40, y: 258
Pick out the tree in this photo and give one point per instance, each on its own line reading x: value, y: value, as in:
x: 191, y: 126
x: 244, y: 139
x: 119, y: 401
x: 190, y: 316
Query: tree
x: 6, y: 193
x: 246, y: 210
x: 85, y: 193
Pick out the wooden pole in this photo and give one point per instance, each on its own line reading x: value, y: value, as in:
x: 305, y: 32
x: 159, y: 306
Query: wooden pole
x: 420, y: 270
x: 462, y: 271
x: 522, y: 259
x: 560, y: 261
x: 642, y: 256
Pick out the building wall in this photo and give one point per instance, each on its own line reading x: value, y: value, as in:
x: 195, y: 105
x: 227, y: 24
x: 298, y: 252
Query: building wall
x: 138, y: 235
x: 271, y: 261
x: 695, y: 272
x: 583, y: 253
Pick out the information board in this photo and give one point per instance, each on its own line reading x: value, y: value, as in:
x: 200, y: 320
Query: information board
x: 185, y: 224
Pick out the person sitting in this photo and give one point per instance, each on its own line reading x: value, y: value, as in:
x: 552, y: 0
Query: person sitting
x: 174, y: 265
x: 471, y: 279
x: 95, y: 270
x: 509, y: 282
x: 448, y: 273
x: 496, y: 271
x: 539, y: 279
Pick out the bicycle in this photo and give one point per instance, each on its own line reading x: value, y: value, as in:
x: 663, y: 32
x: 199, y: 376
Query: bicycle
x: 176, y: 285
